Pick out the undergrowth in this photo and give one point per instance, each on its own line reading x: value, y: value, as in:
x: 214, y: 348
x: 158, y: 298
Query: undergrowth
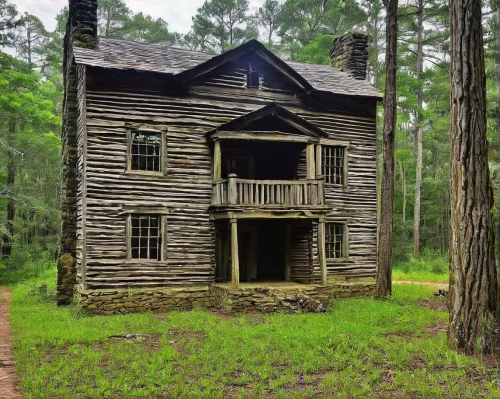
x: 360, y: 348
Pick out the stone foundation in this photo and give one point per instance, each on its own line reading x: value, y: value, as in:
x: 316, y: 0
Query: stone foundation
x: 251, y: 298
x: 66, y: 277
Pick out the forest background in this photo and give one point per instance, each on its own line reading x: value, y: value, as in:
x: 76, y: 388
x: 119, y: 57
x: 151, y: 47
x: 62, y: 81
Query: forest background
x: 300, y: 30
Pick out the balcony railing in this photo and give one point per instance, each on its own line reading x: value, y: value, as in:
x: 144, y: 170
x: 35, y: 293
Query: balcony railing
x: 285, y: 193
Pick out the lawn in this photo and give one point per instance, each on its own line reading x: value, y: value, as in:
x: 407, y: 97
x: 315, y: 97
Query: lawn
x: 360, y: 348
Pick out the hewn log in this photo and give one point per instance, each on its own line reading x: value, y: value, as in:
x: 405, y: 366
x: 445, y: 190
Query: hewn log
x: 235, y: 265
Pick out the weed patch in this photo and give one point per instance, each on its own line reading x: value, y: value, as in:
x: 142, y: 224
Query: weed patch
x: 359, y: 348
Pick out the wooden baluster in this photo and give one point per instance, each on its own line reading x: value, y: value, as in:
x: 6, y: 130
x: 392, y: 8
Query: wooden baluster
x: 250, y: 198
x: 262, y: 194
x: 321, y: 191
x: 233, y: 189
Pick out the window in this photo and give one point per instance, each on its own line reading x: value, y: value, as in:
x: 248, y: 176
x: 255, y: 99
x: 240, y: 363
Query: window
x: 146, y: 151
x: 335, y: 241
x: 253, y: 78
x: 145, y: 239
x: 334, y: 165
x: 146, y: 233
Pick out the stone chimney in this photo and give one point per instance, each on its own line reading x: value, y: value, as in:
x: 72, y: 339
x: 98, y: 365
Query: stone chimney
x: 82, y: 23
x: 81, y: 31
x: 349, y: 54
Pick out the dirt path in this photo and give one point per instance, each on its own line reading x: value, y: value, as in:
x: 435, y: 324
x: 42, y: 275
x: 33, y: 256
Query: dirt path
x: 8, y: 379
x: 439, y: 286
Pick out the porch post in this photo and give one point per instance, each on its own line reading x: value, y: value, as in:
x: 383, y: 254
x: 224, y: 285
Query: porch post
x: 318, y: 161
x: 235, y: 265
x: 217, y: 161
x: 310, y: 162
x: 321, y: 251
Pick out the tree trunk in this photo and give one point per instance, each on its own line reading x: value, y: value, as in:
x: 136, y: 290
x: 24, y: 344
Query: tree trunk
x: 497, y: 180
x: 11, y: 171
x: 403, y: 189
x: 420, y: 133
x: 384, y: 254
x: 473, y: 278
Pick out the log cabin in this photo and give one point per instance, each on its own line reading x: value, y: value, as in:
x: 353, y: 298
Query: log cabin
x: 188, y: 169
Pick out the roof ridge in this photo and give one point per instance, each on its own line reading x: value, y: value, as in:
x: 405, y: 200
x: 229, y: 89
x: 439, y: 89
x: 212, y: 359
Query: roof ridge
x: 156, y: 45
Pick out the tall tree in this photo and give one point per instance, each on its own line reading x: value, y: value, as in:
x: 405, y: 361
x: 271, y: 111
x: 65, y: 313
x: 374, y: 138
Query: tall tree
x: 220, y: 25
x: 385, y: 234
x: 143, y: 28
x: 269, y: 17
x: 8, y: 22
x: 32, y: 40
x: 473, y: 278
x: 112, y: 15
x: 420, y: 129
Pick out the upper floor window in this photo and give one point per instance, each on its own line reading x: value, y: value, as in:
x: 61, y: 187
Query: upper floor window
x: 146, y: 151
x: 334, y: 164
x: 253, y: 78
x: 335, y: 240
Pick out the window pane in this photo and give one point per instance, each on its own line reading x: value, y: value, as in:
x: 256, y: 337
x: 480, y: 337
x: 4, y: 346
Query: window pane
x: 333, y: 164
x: 146, y: 148
x: 145, y: 240
x: 334, y: 240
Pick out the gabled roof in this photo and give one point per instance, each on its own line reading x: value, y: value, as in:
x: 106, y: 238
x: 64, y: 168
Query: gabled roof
x: 270, y: 114
x: 251, y: 46
x: 129, y: 55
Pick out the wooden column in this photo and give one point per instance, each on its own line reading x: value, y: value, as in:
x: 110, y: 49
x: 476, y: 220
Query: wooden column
x: 217, y: 161
x: 310, y: 161
x: 319, y: 171
x: 232, y: 189
x: 321, y: 251
x: 235, y: 265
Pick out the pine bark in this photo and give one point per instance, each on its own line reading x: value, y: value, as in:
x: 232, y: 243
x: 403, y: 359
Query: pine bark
x: 473, y: 278
x: 420, y: 133
x: 384, y: 253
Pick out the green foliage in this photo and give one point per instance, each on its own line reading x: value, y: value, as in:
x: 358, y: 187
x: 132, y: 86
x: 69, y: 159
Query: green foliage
x: 112, y: 16
x: 220, y: 25
x: 430, y: 267
x: 143, y: 28
x: 359, y: 348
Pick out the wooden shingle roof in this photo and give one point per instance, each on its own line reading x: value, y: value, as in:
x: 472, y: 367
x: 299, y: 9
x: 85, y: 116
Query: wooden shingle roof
x: 129, y: 55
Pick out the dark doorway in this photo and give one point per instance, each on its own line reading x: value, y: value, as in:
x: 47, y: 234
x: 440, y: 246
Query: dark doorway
x: 270, y: 251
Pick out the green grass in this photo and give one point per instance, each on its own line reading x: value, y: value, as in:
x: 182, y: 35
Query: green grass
x: 431, y: 267
x: 420, y: 276
x: 360, y: 348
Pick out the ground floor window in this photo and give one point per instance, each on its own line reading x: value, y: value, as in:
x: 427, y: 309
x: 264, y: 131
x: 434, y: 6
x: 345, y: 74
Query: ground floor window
x: 146, y: 235
x: 335, y: 240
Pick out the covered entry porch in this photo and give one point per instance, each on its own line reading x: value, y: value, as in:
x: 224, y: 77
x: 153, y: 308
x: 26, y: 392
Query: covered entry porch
x: 270, y: 247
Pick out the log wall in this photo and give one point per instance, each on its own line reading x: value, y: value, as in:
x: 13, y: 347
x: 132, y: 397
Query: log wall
x: 113, y: 104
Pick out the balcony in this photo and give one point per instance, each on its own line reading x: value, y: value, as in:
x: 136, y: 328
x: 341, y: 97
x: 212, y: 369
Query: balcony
x: 268, y: 193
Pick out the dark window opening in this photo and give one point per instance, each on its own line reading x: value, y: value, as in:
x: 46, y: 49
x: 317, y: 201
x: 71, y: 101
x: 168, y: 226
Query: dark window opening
x: 334, y: 240
x: 146, y: 151
x: 333, y: 161
x: 253, y: 80
x: 145, y: 237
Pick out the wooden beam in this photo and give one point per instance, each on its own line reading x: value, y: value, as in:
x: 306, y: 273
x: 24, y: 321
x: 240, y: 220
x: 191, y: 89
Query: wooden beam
x: 311, y: 170
x: 217, y: 161
x: 263, y: 136
x: 322, y: 252
x: 256, y: 214
x: 235, y: 265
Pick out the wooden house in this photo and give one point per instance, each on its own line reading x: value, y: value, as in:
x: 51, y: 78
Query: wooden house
x: 182, y: 168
